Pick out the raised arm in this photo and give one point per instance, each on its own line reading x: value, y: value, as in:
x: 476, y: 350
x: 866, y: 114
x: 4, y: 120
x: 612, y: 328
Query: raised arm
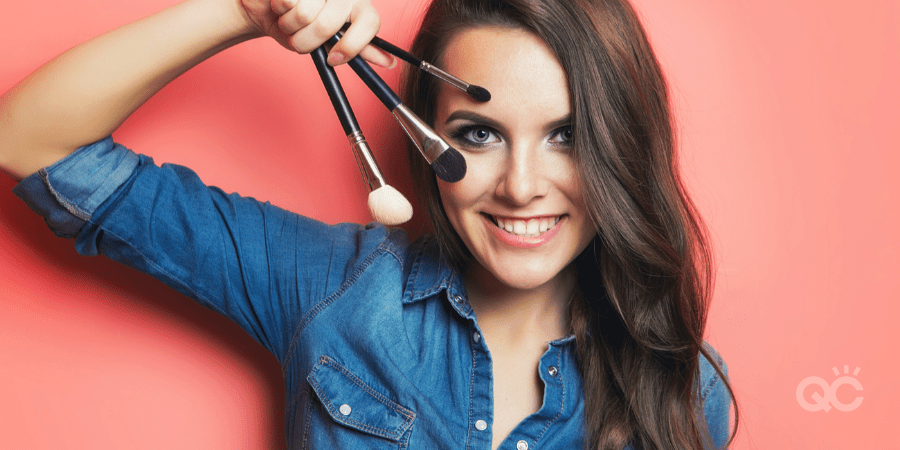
x: 84, y: 94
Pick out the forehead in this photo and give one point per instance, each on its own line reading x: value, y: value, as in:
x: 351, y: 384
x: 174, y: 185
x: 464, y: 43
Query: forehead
x: 516, y: 66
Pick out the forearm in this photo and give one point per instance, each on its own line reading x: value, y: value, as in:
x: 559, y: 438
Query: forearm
x: 86, y: 93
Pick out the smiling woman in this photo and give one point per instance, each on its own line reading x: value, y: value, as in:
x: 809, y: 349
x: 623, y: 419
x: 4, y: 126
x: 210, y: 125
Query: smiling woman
x: 522, y: 171
x: 578, y: 131
x: 561, y: 301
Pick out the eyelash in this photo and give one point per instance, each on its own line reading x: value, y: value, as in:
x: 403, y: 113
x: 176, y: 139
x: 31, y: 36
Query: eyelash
x: 459, y: 134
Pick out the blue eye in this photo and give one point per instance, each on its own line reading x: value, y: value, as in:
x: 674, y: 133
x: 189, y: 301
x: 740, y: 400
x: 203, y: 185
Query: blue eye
x: 479, y: 135
x: 562, y: 135
x: 474, y: 135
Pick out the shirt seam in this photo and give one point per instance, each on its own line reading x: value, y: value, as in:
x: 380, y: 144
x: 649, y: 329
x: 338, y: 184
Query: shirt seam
x: 562, y: 403
x: 713, y: 381
x: 315, y: 310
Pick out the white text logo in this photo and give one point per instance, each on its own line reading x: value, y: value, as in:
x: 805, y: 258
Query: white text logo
x: 830, y: 398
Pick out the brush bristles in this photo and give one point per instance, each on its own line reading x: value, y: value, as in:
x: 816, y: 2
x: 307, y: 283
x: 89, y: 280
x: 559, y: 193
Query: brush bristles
x: 389, y: 206
x: 450, y: 166
x: 478, y: 93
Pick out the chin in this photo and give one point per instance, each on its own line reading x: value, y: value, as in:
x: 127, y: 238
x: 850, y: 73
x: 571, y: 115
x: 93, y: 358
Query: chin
x: 522, y: 277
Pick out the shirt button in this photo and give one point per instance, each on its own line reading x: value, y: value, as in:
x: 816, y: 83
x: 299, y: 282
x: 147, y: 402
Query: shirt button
x: 457, y: 298
x: 480, y: 425
x: 521, y: 445
x: 476, y: 337
x: 552, y: 371
x: 345, y: 409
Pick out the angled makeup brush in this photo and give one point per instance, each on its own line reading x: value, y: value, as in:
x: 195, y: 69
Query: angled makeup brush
x: 386, y: 204
x: 477, y: 92
x: 448, y: 164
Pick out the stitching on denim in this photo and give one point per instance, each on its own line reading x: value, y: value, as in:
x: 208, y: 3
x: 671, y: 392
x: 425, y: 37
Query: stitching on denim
x: 356, y: 380
x: 410, y: 416
x: 307, y: 414
x: 471, y: 397
x: 562, y: 403
x: 714, y: 379
x: 63, y: 201
x: 304, y: 435
x: 315, y: 310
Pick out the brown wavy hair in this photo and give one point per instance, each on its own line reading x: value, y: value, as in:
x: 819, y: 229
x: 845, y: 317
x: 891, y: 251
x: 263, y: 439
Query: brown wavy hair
x: 646, y: 277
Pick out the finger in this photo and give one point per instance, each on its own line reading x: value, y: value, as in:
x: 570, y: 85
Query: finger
x: 280, y: 7
x: 364, y: 25
x: 301, y: 15
x: 378, y: 57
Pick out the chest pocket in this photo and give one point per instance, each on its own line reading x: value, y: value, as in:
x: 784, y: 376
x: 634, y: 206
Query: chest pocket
x: 354, y: 404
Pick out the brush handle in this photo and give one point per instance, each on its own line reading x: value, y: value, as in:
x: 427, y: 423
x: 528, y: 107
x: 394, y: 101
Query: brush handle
x: 396, y: 51
x: 335, y: 92
x: 372, y: 80
x: 388, y: 47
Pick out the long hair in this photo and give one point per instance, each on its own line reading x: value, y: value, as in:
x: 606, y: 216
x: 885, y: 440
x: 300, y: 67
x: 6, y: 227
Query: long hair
x: 645, y: 279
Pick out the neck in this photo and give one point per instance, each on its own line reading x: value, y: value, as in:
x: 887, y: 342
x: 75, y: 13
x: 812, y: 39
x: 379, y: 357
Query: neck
x: 514, y: 315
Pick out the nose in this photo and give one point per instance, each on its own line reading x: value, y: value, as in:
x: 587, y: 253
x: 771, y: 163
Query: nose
x: 522, y: 180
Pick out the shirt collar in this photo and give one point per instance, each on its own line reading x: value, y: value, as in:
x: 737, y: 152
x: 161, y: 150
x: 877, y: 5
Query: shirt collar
x: 429, y: 272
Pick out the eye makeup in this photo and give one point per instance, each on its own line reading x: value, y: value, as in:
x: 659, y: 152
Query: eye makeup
x: 476, y: 135
x: 469, y: 135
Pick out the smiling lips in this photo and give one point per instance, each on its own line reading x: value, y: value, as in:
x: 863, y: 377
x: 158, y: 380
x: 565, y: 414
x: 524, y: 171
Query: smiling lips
x: 524, y: 233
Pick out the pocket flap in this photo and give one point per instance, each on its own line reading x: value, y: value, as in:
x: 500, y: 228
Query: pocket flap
x: 353, y: 403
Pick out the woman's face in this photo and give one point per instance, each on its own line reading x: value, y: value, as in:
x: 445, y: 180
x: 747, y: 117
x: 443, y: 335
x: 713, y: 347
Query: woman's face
x: 519, y: 208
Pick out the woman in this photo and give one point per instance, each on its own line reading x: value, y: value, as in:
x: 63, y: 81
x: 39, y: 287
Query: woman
x: 569, y: 249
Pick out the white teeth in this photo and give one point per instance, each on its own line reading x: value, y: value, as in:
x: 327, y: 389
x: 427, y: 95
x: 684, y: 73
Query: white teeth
x: 519, y: 227
x: 530, y: 228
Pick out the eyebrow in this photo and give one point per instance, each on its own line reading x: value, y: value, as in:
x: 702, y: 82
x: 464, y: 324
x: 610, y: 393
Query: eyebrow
x: 462, y: 114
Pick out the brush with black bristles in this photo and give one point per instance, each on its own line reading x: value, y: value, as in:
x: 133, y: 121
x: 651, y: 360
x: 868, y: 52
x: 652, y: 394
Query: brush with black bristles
x: 477, y: 92
x: 386, y: 204
x: 448, y: 164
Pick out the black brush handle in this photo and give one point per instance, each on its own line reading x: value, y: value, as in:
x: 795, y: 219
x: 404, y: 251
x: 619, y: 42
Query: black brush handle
x: 335, y: 92
x: 396, y: 51
x: 390, y: 48
x: 372, y: 80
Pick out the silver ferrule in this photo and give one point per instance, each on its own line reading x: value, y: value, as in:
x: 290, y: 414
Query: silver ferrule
x: 427, y: 141
x: 444, y: 76
x: 368, y: 167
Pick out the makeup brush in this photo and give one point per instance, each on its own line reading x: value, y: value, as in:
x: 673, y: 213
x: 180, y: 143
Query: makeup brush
x: 448, y: 164
x: 386, y: 204
x: 477, y: 92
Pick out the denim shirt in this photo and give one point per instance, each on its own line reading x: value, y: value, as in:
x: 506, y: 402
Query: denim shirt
x: 378, y: 344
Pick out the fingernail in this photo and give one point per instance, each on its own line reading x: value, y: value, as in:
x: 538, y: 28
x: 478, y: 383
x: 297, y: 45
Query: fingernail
x: 335, y: 58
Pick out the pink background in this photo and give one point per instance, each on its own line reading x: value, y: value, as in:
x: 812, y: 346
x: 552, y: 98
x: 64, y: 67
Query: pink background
x: 789, y: 126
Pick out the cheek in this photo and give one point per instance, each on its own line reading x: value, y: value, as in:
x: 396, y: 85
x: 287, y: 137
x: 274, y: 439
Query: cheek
x: 466, y: 193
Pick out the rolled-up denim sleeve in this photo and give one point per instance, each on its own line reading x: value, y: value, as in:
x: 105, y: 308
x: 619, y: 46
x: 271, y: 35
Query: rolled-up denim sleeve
x: 715, y: 398
x: 68, y: 193
x: 257, y: 264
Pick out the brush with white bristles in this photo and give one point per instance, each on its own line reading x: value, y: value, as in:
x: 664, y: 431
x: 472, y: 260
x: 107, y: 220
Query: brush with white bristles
x: 386, y: 204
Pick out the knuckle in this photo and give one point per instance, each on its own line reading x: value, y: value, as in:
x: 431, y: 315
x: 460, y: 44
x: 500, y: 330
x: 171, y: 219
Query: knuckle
x: 281, y: 6
x: 307, y: 11
x: 283, y: 25
x: 304, y: 16
x: 322, y: 29
x: 299, y: 44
